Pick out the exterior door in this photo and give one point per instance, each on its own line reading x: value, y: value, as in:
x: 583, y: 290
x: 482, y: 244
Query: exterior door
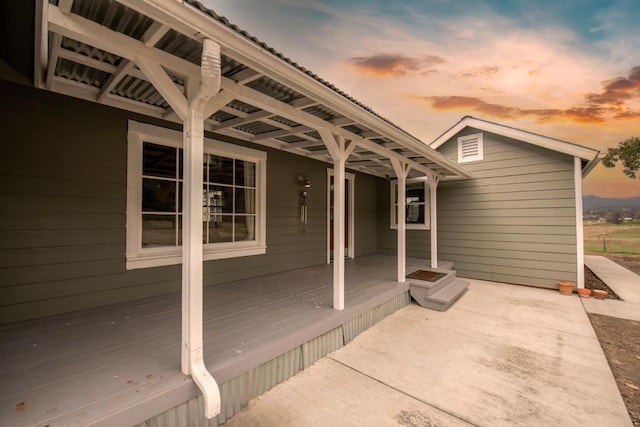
x: 349, y: 215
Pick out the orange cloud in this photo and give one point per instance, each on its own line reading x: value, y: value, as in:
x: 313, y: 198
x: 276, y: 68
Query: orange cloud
x: 597, y: 107
x: 480, y: 72
x: 394, y: 65
x: 617, y: 90
x: 477, y: 105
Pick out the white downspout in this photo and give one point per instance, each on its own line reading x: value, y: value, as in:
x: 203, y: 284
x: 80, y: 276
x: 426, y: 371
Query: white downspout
x: 577, y: 174
x: 433, y: 187
x: 192, y: 280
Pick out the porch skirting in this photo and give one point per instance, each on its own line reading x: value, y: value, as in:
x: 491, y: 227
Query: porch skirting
x: 237, y: 392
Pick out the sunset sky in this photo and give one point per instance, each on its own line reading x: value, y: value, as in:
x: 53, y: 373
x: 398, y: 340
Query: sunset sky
x: 565, y: 69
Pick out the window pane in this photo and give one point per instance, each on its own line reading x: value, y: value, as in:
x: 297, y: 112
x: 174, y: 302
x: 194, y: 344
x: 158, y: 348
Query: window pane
x: 222, y: 230
x: 158, y: 160
x: 415, y: 214
x: 158, y: 230
x: 245, y: 228
x: 223, y: 198
x: 415, y: 192
x: 245, y: 200
x: 245, y: 173
x: 158, y: 195
x: 220, y: 170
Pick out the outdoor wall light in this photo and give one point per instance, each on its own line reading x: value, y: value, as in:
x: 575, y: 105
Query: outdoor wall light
x: 304, y: 209
x: 304, y: 179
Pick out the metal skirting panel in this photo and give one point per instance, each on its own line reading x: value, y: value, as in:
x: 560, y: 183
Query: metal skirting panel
x: 356, y: 326
x: 237, y: 392
x: 317, y: 348
x: 276, y: 371
x: 390, y: 307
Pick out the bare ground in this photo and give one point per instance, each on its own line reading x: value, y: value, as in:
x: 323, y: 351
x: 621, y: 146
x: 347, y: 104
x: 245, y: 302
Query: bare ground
x: 620, y: 340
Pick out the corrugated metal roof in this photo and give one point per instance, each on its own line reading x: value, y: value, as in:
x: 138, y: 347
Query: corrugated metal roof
x: 196, y: 4
x: 93, y: 67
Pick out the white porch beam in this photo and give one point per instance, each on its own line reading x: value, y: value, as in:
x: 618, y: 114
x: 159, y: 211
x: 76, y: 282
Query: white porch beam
x: 93, y: 34
x: 402, y: 171
x: 340, y: 150
x: 432, y: 181
x: 41, y: 44
x: 65, y: 6
x: 217, y: 102
x: 242, y: 120
x: 163, y: 84
x: 154, y: 34
x: 123, y: 68
x: 282, y: 132
x: 53, y: 60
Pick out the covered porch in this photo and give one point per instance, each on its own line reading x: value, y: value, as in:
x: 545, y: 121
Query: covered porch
x: 120, y: 364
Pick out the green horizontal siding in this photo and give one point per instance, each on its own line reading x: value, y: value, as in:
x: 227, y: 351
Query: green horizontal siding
x: 514, y: 221
x: 63, y: 210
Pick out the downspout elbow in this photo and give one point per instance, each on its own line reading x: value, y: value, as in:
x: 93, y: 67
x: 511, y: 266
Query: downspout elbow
x: 211, y: 75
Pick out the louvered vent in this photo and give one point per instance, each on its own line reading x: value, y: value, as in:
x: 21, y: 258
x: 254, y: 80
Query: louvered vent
x: 470, y: 148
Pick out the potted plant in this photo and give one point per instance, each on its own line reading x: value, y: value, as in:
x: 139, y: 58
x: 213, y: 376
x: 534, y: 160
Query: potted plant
x: 584, y: 292
x: 598, y: 294
x: 566, y: 288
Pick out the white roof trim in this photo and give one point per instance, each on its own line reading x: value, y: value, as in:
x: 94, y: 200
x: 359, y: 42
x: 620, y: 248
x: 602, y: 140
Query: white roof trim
x: 558, y: 145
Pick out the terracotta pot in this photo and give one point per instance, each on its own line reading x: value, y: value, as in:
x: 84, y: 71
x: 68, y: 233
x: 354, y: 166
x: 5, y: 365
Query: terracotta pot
x: 584, y: 292
x: 598, y: 294
x: 566, y: 288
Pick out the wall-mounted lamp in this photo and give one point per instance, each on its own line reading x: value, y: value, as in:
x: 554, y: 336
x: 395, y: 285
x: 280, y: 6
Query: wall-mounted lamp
x: 304, y: 211
x: 304, y: 179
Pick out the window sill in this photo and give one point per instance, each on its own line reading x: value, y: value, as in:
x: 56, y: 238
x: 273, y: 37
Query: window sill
x: 175, y: 257
x: 412, y: 227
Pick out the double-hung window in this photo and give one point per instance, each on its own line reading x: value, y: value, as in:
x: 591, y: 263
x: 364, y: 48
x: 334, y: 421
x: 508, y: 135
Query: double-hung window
x: 233, y: 198
x: 417, y: 213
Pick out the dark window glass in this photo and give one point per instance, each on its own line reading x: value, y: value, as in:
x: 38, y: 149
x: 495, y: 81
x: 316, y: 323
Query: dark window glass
x: 158, y: 195
x: 159, y: 160
x: 158, y: 230
x: 220, y: 170
x: 245, y: 173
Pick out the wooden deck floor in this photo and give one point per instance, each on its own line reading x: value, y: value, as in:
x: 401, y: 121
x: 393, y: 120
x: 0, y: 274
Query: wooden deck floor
x: 103, y: 365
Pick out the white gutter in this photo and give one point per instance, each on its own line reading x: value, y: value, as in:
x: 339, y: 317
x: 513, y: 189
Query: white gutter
x: 192, y: 281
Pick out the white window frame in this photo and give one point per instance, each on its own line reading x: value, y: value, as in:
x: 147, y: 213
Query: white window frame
x: 466, y: 139
x: 139, y: 257
x: 427, y: 206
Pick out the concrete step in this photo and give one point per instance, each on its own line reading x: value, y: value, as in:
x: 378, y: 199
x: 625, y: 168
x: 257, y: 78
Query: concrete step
x: 426, y: 287
x: 445, y: 297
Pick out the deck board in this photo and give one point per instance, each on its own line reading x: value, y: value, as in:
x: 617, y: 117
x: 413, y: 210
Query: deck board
x: 88, y: 365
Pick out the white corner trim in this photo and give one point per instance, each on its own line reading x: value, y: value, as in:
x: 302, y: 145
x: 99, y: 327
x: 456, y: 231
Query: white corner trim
x: 577, y: 173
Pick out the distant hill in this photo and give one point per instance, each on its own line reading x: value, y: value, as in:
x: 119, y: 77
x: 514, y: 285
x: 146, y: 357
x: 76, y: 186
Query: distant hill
x: 602, y: 205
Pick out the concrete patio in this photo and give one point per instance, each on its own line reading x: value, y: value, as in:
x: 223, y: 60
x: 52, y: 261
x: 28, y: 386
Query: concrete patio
x: 502, y: 355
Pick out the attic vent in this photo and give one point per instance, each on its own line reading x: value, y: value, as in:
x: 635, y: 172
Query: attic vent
x: 470, y: 148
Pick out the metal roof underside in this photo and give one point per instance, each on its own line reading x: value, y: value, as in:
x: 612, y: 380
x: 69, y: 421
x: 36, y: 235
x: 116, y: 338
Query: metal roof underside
x: 98, y: 73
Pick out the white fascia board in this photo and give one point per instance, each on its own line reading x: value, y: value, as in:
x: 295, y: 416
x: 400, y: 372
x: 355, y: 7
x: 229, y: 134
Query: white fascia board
x: 195, y: 24
x: 568, y: 148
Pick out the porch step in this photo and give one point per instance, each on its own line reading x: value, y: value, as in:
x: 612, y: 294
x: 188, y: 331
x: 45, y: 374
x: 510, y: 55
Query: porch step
x: 439, y: 294
x: 446, y: 296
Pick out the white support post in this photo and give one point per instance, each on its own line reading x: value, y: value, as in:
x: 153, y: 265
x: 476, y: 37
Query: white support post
x: 433, y: 186
x: 339, y: 150
x: 338, y: 233
x: 577, y: 173
x: 402, y: 171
